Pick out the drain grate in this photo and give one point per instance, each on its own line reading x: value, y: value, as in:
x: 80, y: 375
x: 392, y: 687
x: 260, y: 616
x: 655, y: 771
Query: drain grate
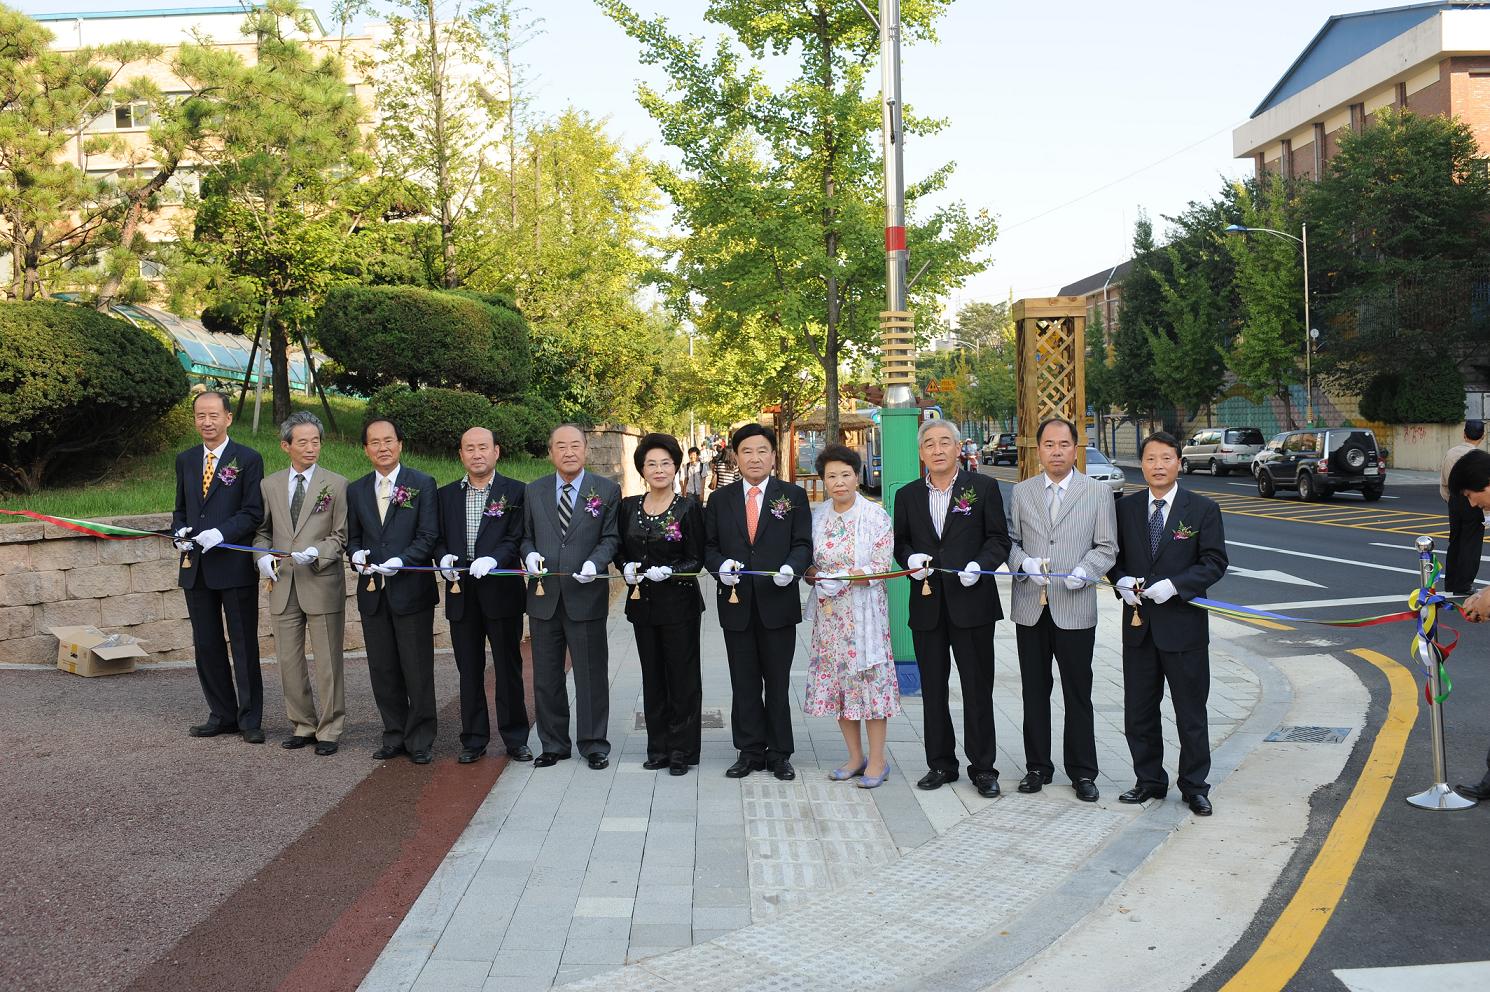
x: 709, y: 719
x: 1309, y: 735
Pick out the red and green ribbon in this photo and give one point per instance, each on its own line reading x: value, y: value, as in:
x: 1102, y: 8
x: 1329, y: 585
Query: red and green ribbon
x: 90, y: 528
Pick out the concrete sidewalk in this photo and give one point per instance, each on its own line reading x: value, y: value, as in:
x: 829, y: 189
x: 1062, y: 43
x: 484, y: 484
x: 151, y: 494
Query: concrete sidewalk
x: 630, y: 879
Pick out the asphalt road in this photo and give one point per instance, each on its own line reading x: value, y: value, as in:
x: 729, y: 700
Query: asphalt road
x: 1418, y: 895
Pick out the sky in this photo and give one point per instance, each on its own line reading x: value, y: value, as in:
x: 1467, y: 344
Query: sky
x: 1065, y: 119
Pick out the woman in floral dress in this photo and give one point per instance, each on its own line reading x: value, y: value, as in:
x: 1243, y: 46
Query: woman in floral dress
x: 851, y: 670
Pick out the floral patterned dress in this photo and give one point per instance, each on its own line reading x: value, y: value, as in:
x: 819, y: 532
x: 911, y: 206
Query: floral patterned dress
x: 851, y: 672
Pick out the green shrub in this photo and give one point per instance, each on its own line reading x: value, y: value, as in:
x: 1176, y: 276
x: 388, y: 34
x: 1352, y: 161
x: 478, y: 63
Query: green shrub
x: 523, y: 424
x: 1431, y: 395
x: 75, y: 385
x: 431, y: 420
x: 165, y: 432
x: 384, y: 335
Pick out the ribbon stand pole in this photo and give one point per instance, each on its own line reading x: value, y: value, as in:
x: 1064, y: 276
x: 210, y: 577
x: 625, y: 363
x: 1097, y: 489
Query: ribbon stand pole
x: 1437, y: 796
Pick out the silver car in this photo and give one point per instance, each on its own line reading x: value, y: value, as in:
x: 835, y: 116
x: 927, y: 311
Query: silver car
x: 1099, y: 469
x: 1221, y: 449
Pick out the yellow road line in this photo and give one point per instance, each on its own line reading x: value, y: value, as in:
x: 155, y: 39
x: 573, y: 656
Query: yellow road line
x: 1282, y: 952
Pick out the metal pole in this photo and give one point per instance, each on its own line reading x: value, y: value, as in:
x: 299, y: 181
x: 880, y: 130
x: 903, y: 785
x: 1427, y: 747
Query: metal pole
x: 1308, y: 340
x: 1437, y: 796
x: 894, y: 147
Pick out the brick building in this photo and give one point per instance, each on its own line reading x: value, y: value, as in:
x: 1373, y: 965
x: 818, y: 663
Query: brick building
x: 1430, y: 58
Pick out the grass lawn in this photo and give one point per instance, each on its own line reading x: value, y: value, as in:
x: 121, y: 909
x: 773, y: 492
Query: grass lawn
x: 147, y: 484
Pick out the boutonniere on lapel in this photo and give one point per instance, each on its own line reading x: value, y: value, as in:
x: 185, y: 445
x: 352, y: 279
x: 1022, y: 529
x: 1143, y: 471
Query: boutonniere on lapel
x: 671, y: 529
x: 403, y: 497
x: 323, y: 500
x: 963, y: 502
x: 780, y: 507
x: 593, y: 504
x: 1184, y: 532
x: 496, y: 509
x: 228, y: 474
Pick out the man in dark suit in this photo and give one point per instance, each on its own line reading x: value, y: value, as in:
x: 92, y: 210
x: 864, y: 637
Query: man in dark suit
x: 760, y: 524
x: 1171, y: 548
x: 218, y: 501
x: 570, y: 526
x: 953, y: 519
x: 481, y: 526
x: 392, y: 522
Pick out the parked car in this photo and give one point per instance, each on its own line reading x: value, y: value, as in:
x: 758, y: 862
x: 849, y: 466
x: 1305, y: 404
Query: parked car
x: 1318, y: 463
x: 1006, y: 449
x: 1221, y: 449
x: 1099, y: 469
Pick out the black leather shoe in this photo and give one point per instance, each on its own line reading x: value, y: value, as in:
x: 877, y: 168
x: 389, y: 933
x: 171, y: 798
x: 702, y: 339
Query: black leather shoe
x: 471, y: 754
x: 1086, y: 790
x: 388, y: 751
x: 254, y: 735
x: 548, y: 758
x: 988, y: 785
x: 327, y: 748
x: 935, y: 779
x: 677, y: 766
x: 1199, y: 805
x: 783, y: 770
x: 1479, y: 792
x: 421, y: 757
x: 520, y: 753
x: 1033, y: 782
x: 598, y: 761
x: 652, y: 764
x: 210, y: 730
x: 296, y: 742
x: 744, y: 767
x: 1141, y: 794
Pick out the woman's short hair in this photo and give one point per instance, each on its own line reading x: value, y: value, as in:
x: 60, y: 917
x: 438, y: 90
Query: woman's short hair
x: 651, y: 443
x: 840, y: 453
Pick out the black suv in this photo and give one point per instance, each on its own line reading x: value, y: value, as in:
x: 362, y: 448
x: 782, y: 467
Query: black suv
x: 1006, y: 449
x: 1321, y: 462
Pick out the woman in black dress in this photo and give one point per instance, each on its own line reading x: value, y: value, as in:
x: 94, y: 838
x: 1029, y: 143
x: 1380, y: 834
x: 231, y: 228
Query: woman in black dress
x: 662, y: 532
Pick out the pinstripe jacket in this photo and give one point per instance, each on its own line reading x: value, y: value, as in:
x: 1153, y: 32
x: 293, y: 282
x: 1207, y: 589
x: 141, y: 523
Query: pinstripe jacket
x: 1084, y: 533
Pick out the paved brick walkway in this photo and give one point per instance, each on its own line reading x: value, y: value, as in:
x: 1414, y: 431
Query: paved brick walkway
x: 566, y: 875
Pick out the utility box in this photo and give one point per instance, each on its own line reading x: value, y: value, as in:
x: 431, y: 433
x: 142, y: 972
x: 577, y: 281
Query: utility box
x: 89, y: 652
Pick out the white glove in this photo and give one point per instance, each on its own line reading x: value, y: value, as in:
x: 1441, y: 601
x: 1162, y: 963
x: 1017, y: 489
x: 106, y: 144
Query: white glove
x: 266, y: 567
x: 389, y: 567
x: 359, y: 563
x: 534, y: 565
x: 784, y: 576
x: 918, y: 563
x: 727, y: 570
x: 1077, y: 579
x: 483, y: 566
x: 1160, y: 592
x: 447, y: 568
x: 586, y: 573
x: 830, y: 585
x: 659, y: 573
x: 1125, y: 587
x: 306, y: 557
x: 628, y: 572
x: 209, y: 539
x: 969, y: 574
x: 183, y: 545
x: 1034, y: 570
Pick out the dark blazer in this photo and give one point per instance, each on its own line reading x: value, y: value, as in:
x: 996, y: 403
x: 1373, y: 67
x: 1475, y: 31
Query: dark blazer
x: 1192, y: 565
x: 784, y: 540
x: 676, y: 600
x: 499, y: 536
x: 592, y: 537
x: 236, y: 508
x: 981, y: 535
x: 409, y: 533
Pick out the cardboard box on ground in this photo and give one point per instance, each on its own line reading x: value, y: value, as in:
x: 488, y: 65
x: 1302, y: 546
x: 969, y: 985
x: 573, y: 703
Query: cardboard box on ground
x: 88, y: 651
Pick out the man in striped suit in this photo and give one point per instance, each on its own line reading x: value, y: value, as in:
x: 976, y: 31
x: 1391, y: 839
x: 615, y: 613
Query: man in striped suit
x: 1066, y: 524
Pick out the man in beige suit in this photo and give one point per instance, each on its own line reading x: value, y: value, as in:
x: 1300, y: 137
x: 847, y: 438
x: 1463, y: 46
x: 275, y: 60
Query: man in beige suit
x: 305, y: 513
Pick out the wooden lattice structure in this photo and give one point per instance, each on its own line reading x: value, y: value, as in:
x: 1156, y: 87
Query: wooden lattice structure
x: 1050, y: 372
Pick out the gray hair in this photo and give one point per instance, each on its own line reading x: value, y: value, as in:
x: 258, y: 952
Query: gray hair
x: 299, y: 419
x: 939, y: 424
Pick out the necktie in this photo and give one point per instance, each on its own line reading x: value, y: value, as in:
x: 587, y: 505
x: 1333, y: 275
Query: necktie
x: 207, y: 473
x: 566, y: 507
x: 297, y: 501
x: 385, y: 493
x: 1053, y: 499
x: 752, y: 512
x: 1156, y: 528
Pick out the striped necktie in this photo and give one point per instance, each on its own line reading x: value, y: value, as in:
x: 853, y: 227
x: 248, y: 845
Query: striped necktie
x: 566, y: 507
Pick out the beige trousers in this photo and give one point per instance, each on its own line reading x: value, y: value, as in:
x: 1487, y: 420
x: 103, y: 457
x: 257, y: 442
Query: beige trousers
x: 326, y: 638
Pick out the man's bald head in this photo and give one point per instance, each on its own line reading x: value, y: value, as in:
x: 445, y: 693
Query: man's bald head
x: 479, y: 453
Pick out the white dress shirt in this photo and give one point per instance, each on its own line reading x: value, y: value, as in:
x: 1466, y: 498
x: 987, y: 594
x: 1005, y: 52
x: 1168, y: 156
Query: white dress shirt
x: 216, y: 454
x: 1167, y: 497
x: 294, y: 475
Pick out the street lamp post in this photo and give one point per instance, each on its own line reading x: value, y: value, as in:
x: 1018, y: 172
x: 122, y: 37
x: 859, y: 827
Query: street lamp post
x: 1309, y: 333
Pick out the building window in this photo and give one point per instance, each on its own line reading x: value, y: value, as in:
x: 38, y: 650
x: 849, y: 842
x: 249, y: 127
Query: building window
x: 128, y: 116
